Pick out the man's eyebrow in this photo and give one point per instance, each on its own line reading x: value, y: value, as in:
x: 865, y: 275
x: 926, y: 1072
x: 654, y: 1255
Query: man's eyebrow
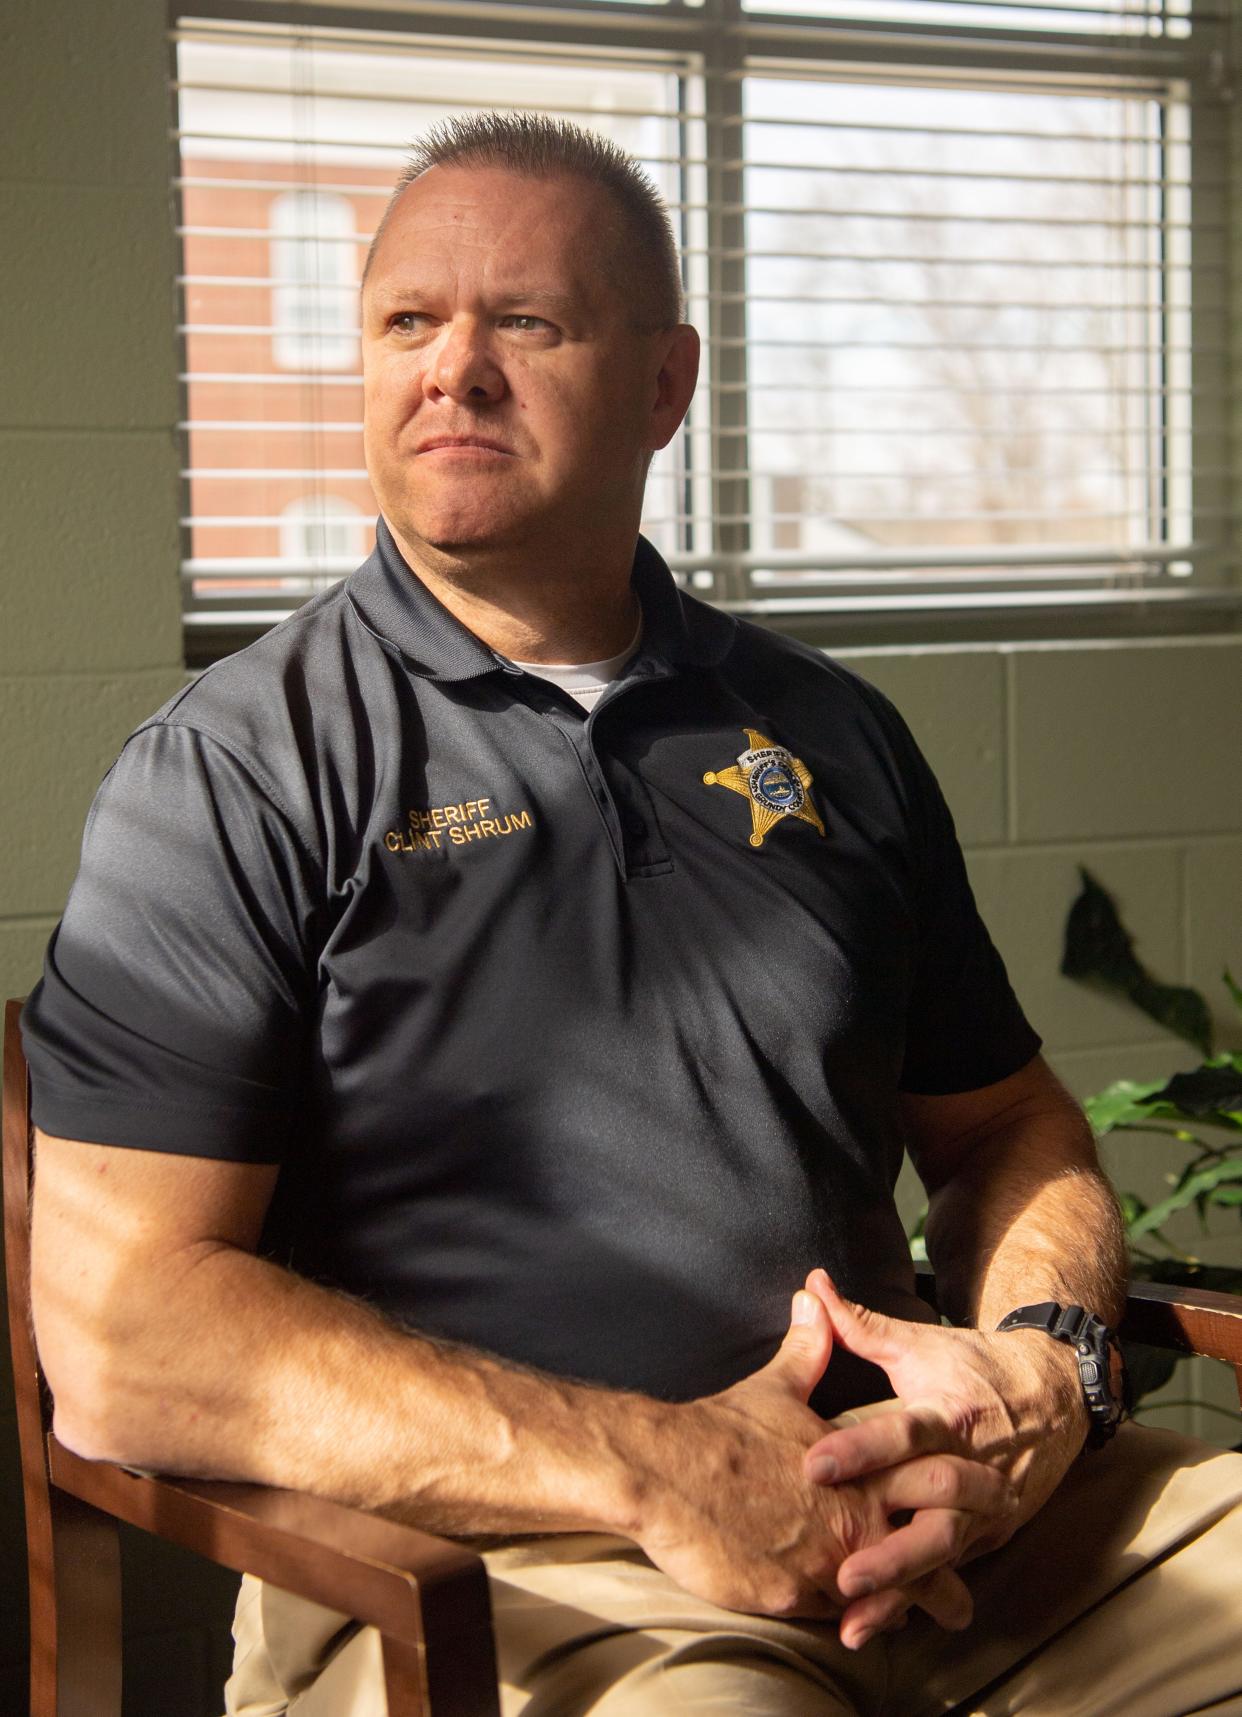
x: 550, y: 299
x: 556, y: 303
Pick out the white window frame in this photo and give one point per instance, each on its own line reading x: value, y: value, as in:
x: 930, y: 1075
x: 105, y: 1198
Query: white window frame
x: 1059, y: 593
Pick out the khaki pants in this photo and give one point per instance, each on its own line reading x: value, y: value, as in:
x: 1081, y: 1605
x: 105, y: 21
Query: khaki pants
x: 1122, y: 1598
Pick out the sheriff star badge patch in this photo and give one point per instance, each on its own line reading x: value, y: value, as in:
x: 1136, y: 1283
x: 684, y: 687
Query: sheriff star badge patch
x: 776, y: 783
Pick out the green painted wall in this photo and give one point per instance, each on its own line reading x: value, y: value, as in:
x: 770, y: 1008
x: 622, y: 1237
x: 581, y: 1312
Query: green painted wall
x: 1123, y: 757
x: 1119, y: 758
x: 88, y: 534
x: 90, y: 640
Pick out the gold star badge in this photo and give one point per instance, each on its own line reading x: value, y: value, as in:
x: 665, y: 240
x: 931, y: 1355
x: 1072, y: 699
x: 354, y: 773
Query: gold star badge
x: 776, y: 783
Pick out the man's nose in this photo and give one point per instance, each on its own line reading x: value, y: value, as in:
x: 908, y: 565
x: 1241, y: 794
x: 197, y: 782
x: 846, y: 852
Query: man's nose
x: 463, y: 366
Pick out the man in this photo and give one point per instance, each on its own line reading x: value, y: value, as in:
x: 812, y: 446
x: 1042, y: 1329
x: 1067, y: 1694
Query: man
x: 487, y: 999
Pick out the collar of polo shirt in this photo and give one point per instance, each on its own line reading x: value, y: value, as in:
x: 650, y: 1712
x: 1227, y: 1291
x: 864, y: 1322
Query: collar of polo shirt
x: 393, y: 603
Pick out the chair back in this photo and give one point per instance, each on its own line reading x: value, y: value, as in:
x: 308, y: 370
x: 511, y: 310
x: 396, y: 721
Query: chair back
x: 73, y: 1551
x: 429, y: 1598
x: 30, y: 1390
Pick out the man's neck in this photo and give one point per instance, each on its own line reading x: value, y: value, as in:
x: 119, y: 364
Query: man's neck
x: 559, y: 612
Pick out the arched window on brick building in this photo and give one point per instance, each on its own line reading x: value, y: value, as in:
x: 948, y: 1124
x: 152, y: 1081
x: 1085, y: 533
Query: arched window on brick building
x: 315, y: 281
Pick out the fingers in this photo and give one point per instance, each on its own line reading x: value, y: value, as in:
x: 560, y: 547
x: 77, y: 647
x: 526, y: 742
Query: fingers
x: 883, y: 1613
x: 956, y: 1503
x: 943, y: 1595
x: 932, y: 1539
x: 872, y: 1444
x: 948, y: 1481
x: 946, y: 1598
x: 803, y: 1356
x: 868, y: 1334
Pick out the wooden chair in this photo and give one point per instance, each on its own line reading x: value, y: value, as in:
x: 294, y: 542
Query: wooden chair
x: 428, y: 1597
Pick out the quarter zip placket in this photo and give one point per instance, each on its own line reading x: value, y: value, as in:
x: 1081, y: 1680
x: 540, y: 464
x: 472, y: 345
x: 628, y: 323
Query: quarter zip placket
x: 577, y: 728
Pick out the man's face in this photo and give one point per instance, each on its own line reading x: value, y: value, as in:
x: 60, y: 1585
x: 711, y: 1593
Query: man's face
x: 509, y: 397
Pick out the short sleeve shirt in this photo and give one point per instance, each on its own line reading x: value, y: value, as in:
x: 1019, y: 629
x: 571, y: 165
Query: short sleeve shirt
x: 577, y: 1038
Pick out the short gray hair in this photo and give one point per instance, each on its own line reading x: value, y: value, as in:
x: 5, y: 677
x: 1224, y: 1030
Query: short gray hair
x: 540, y: 147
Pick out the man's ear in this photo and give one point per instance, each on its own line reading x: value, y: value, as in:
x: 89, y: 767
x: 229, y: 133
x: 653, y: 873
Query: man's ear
x: 675, y: 382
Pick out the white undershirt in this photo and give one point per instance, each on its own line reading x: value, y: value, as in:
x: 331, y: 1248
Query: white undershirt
x: 585, y: 681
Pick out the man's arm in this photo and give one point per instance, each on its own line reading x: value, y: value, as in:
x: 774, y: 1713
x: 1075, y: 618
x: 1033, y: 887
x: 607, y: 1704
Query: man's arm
x: 1019, y: 1212
x: 1018, y: 1201
x: 169, y: 1344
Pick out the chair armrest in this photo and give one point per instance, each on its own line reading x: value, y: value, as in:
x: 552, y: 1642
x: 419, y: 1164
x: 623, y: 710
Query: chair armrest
x: 1189, y: 1320
x: 423, y: 1591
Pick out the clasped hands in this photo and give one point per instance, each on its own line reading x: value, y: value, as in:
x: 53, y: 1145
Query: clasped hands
x: 868, y: 1516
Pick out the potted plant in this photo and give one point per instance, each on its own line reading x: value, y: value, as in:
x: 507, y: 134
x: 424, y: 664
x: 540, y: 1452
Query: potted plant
x: 1198, y: 1113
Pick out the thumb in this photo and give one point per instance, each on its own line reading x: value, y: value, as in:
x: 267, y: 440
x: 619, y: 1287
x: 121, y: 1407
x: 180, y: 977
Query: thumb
x: 869, y: 1335
x: 802, y: 1357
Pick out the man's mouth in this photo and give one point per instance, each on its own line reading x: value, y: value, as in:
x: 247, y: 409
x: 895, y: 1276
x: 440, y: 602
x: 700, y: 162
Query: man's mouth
x: 466, y: 444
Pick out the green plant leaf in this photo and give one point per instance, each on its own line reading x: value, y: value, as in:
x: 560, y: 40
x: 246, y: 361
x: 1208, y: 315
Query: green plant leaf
x: 1193, y: 1184
x: 1120, y: 1104
x: 1100, y: 950
x: 1214, y: 1090
x: 1132, y: 1207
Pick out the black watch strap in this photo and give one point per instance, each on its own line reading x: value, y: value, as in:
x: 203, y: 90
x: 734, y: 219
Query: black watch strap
x: 1101, y: 1370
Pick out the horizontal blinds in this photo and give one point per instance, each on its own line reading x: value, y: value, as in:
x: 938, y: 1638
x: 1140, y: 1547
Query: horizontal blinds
x: 277, y: 495
x: 1144, y: 18
x: 947, y: 321
x: 1003, y: 360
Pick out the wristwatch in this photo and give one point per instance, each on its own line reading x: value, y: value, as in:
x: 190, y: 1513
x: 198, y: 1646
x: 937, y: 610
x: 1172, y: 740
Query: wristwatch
x: 1101, y: 1368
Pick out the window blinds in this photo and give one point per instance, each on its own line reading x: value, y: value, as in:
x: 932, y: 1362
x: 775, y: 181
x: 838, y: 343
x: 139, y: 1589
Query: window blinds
x: 963, y: 310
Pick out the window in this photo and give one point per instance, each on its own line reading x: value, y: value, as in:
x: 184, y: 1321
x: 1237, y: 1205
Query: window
x: 314, y: 281
x: 323, y: 532
x: 960, y: 268
x: 950, y: 301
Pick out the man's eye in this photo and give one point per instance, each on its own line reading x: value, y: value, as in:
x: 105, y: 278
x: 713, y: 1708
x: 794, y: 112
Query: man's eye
x: 407, y: 322
x: 526, y: 324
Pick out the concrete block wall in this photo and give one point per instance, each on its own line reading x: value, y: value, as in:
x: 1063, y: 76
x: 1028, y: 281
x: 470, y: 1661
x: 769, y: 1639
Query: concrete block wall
x: 91, y: 640
x: 88, y: 534
x: 1122, y: 757
x: 1119, y: 758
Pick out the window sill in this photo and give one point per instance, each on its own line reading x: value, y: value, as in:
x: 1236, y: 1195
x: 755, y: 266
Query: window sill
x: 837, y: 622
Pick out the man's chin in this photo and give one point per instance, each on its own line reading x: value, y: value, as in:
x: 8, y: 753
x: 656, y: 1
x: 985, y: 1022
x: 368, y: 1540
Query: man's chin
x: 457, y: 538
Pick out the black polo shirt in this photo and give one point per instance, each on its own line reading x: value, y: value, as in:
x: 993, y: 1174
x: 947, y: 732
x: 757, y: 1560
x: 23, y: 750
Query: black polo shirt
x: 576, y: 1038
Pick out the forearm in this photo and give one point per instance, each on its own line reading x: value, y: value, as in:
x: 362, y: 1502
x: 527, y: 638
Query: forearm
x: 227, y: 1366
x: 1028, y: 1215
x: 169, y: 1344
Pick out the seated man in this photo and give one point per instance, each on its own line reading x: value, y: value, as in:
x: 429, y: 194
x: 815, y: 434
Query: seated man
x: 487, y: 999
